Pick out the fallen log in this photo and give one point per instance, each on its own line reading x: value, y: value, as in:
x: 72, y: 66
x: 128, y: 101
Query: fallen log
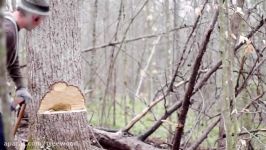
x: 117, y: 141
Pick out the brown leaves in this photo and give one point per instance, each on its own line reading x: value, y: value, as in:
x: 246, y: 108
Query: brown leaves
x: 249, y: 48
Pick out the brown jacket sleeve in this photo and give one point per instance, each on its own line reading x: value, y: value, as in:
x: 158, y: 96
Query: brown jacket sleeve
x: 12, y: 59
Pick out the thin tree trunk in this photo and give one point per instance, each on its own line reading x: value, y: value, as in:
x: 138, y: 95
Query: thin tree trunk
x: 145, y: 69
x: 228, y: 92
x: 92, y: 60
x: 4, y: 104
x: 114, y: 97
x: 110, y: 76
x: 175, y: 50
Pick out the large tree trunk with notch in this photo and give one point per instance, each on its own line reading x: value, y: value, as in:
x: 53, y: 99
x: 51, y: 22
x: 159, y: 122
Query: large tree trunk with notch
x: 62, y: 118
x: 54, y: 54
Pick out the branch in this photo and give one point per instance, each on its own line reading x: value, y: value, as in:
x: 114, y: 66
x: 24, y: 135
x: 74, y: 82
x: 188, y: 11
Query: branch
x: 135, y: 39
x: 245, y: 132
x: 251, y: 33
x: 249, y: 104
x: 191, y: 84
x: 159, y: 122
x: 200, y: 84
x: 147, y: 109
x: 115, y: 141
x: 185, y: 48
x: 143, y: 72
x: 204, y: 135
x: 254, y: 68
x: 251, y: 131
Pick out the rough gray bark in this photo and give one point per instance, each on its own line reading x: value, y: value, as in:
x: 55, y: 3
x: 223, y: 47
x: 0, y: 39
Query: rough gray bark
x: 116, y: 141
x: 227, y: 44
x: 69, y: 129
x: 54, y: 55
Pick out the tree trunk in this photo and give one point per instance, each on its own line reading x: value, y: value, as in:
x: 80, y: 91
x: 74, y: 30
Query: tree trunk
x: 228, y: 92
x: 54, y: 54
x: 4, y: 104
x: 116, y: 141
x: 62, y: 118
x: 191, y: 84
x: 92, y: 60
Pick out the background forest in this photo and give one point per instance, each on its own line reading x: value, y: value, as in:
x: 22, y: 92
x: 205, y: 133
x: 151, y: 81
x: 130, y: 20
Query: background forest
x: 159, y: 68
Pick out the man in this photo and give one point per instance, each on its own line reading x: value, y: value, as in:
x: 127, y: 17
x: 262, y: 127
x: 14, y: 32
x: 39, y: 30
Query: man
x: 28, y: 15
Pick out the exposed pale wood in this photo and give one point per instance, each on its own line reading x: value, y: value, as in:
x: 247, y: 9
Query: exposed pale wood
x: 61, y: 93
x: 68, y: 130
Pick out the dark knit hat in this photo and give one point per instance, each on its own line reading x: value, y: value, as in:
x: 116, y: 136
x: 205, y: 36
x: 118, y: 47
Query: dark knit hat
x: 39, y: 7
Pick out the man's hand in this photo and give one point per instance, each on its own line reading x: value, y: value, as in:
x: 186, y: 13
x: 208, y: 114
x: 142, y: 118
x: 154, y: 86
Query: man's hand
x: 16, y: 103
x: 22, y: 97
x: 24, y: 93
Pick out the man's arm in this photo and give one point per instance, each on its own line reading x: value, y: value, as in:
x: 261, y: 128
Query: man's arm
x: 15, y: 74
x: 14, y: 68
x: 13, y: 60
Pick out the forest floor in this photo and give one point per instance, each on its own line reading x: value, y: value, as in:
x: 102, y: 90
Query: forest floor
x: 123, y: 114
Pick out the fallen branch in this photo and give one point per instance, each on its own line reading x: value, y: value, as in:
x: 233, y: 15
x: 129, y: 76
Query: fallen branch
x: 159, y: 122
x: 191, y: 84
x: 116, y: 141
x: 204, y: 135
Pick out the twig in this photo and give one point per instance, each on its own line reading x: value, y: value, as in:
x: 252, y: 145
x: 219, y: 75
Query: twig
x: 136, y: 39
x: 146, y: 110
x: 249, y: 104
x: 143, y: 72
x: 204, y: 135
x: 197, y: 120
x: 254, y: 68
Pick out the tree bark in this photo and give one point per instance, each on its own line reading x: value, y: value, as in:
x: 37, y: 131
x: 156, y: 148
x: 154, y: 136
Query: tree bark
x: 116, y: 141
x: 227, y: 44
x: 55, y: 55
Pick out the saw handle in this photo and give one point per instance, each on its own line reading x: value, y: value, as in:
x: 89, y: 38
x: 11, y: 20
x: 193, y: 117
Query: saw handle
x: 20, y: 116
